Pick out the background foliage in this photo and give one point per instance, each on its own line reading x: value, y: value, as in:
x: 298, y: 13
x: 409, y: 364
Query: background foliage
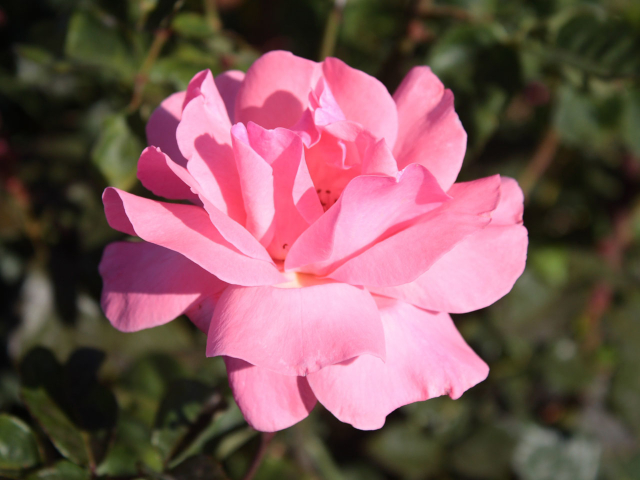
x: 549, y: 93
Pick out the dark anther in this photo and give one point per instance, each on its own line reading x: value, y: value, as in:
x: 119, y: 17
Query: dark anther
x: 318, y: 191
x: 284, y: 247
x: 328, y: 192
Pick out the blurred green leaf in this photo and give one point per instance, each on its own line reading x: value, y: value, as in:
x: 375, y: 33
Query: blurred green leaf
x: 63, y: 470
x: 486, y: 454
x: 541, y: 454
x: 65, y: 436
x: 596, y: 43
x: 200, y: 467
x: 97, y: 43
x: 406, y: 451
x: 116, y: 152
x: 18, y: 446
x: 190, y: 24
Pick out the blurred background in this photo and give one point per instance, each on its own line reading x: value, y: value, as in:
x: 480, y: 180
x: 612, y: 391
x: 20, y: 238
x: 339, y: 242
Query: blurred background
x: 549, y: 93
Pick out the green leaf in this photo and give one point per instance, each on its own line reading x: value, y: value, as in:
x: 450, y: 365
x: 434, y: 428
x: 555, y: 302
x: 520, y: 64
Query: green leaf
x: 131, y: 448
x: 485, y: 454
x: 190, y: 24
x: 406, y: 451
x: 97, y: 43
x: 542, y: 454
x: 179, y: 411
x: 598, y: 44
x: 62, y: 470
x: 116, y: 152
x: 18, y: 446
x: 631, y: 121
x: 64, y: 435
x: 200, y: 467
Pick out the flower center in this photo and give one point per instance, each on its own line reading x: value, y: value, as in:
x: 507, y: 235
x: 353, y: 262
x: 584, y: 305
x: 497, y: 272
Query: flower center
x: 300, y: 280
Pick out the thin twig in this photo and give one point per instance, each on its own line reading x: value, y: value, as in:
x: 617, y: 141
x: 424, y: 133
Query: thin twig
x: 213, y: 18
x: 160, y: 38
x: 257, y: 460
x: 332, y: 29
x: 540, y: 162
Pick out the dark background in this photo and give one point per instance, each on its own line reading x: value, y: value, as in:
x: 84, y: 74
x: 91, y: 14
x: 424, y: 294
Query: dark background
x: 549, y: 93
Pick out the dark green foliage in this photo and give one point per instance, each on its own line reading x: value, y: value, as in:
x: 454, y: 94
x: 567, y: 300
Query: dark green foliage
x: 549, y: 93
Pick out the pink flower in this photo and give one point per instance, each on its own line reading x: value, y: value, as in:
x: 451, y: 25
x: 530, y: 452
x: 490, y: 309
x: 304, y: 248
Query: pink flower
x: 325, y: 242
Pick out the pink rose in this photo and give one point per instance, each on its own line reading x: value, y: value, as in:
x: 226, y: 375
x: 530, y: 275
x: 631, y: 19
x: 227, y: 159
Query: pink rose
x: 325, y: 242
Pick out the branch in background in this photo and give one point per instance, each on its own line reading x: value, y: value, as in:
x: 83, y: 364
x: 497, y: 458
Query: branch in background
x: 332, y: 29
x: 211, y: 12
x: 257, y: 460
x: 160, y: 38
x: 540, y: 162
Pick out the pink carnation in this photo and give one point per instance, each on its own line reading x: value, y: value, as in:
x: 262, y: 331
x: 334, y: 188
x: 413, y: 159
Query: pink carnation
x: 324, y: 242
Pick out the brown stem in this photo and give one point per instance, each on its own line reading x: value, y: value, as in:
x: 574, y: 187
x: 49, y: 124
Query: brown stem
x: 540, y: 162
x: 211, y: 12
x: 332, y: 29
x: 257, y: 460
x: 161, y: 36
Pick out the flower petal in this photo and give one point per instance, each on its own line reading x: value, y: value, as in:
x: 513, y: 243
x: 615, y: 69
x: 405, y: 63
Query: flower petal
x: 480, y: 269
x: 370, y: 209
x: 362, y: 99
x: 426, y: 358
x: 162, y: 125
x: 429, y: 132
x: 187, y: 229
x: 269, y: 401
x: 228, y: 84
x: 403, y: 257
x: 146, y: 285
x: 279, y: 197
x: 295, y: 331
x: 205, y: 140
x: 275, y: 90
x: 156, y: 174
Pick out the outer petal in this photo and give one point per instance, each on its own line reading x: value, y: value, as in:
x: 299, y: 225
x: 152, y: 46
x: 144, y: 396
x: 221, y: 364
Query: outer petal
x: 363, y: 99
x: 156, y: 174
x: 403, y: 257
x: 370, y: 209
x: 426, y: 358
x: 146, y: 285
x: 296, y: 331
x: 429, y: 131
x: 269, y: 401
x: 162, y: 125
x: 187, y: 229
x: 229, y: 84
x: 275, y: 90
x: 205, y: 140
x: 479, y: 270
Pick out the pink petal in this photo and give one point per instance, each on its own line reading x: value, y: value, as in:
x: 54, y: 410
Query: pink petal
x: 403, y: 257
x: 256, y: 184
x: 155, y: 173
x: 426, y: 358
x: 162, y: 125
x: 187, y: 229
x: 146, y: 285
x: 296, y: 331
x: 363, y: 99
x: 480, y: 269
x: 275, y: 90
x: 279, y: 197
x: 205, y: 140
x: 429, y: 131
x: 228, y: 84
x: 269, y: 401
x: 370, y: 209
